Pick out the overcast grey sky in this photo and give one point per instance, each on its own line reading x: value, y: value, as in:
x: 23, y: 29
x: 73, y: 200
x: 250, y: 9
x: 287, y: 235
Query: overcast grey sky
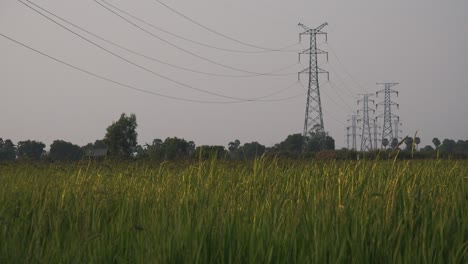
x: 420, y: 44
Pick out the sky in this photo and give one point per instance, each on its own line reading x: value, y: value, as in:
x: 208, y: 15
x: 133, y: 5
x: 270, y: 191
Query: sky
x: 419, y: 44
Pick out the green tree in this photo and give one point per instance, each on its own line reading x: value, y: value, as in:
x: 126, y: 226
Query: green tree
x: 427, y: 148
x: 409, y: 143
x: 292, y: 144
x: 7, y: 150
x: 394, y: 143
x: 319, y: 140
x: 121, y: 136
x: 141, y: 152
x: 155, y: 151
x: 436, y: 142
x: 210, y: 151
x: 462, y: 146
x: 98, y: 144
x: 177, y: 148
x: 30, y: 149
x: 233, y: 148
x: 65, y: 151
x: 252, y: 150
x: 448, y: 145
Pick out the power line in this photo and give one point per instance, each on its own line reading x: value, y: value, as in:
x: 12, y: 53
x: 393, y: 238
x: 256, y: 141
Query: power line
x: 351, y: 93
x: 131, y: 62
x: 283, y: 49
x: 329, y: 97
x: 136, y: 88
x: 163, y: 62
x: 277, y: 92
x: 179, y: 36
x: 327, y: 113
x: 341, y: 80
x: 174, y: 45
x: 339, y: 96
x: 334, y: 118
x: 334, y: 87
x: 345, y: 69
x: 102, y: 77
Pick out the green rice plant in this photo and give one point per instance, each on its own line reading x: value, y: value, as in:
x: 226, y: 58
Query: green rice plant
x: 262, y: 211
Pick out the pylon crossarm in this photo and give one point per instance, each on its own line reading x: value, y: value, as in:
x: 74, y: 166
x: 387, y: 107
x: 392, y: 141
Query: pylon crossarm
x: 321, y: 26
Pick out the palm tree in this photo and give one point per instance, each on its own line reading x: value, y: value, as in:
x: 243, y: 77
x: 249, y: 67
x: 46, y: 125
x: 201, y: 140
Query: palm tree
x: 436, y: 142
x: 417, y: 140
x: 409, y: 143
x: 385, y: 142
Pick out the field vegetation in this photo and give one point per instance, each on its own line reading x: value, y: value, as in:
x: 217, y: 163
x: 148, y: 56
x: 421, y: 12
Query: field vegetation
x: 212, y: 211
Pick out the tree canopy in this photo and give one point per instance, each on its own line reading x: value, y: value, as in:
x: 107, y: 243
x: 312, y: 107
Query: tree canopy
x: 7, y: 150
x: 65, y: 151
x: 120, y: 141
x: 292, y: 144
x: 319, y: 140
x: 170, y: 149
x: 207, y: 152
x: 252, y: 150
x: 436, y: 142
x: 121, y: 136
x: 32, y: 150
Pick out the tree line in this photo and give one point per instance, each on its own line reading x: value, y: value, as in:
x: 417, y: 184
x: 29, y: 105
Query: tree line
x: 409, y: 148
x: 120, y: 142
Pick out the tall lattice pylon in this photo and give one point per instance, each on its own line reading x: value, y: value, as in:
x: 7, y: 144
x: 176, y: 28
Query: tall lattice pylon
x: 366, y: 136
x: 387, y: 130
x: 313, y: 115
x: 397, y: 127
x: 347, y: 136
x: 353, y: 134
x: 375, y: 126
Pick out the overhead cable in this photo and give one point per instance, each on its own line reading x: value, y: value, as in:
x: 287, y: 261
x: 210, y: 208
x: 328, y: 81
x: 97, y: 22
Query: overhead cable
x: 136, y: 88
x: 131, y: 62
x: 179, y: 36
x: 345, y: 69
x: 176, y: 46
x: 285, y: 49
x: 161, y: 61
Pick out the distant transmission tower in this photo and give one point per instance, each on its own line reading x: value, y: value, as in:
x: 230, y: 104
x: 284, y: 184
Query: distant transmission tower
x: 347, y: 137
x: 375, y: 127
x: 353, y: 131
x: 366, y: 136
x: 387, y: 132
x: 313, y: 114
x: 397, y: 128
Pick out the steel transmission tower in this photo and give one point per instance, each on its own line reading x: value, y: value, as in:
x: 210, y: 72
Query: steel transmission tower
x: 313, y: 114
x: 353, y: 131
x: 366, y: 136
x: 397, y: 128
x: 387, y: 131
x: 347, y: 136
x: 375, y: 127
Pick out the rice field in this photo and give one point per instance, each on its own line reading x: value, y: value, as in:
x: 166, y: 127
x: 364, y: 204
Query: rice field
x: 264, y: 211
